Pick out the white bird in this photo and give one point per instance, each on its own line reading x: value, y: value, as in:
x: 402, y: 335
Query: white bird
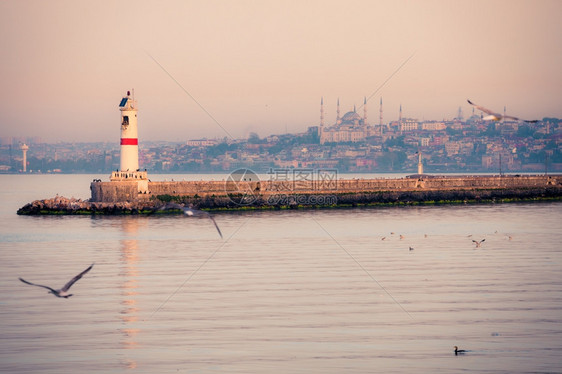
x: 190, y: 212
x: 479, y: 243
x: 493, y: 116
x: 63, y: 292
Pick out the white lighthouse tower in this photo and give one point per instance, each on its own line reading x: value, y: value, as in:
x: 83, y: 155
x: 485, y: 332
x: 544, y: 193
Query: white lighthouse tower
x: 129, y: 166
x: 420, y: 164
x: 24, y: 148
x: 129, y: 134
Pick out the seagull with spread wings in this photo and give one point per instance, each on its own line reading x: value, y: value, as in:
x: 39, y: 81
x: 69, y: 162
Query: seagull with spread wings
x: 493, y: 116
x: 62, y: 292
x: 478, y: 243
x: 191, y: 212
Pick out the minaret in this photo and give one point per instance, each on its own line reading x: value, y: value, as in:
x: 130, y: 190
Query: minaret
x: 338, y: 112
x: 400, y: 119
x: 380, y: 116
x: 321, y: 127
x: 322, y: 112
x: 24, y: 149
x: 365, y: 111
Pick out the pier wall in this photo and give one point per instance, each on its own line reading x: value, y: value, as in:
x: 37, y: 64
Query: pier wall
x: 114, y: 192
x: 127, y: 191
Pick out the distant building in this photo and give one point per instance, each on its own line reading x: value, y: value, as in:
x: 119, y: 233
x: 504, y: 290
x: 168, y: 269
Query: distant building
x: 507, y: 127
x: 201, y: 142
x: 349, y: 128
x: 409, y: 124
x: 452, y: 148
x: 433, y: 126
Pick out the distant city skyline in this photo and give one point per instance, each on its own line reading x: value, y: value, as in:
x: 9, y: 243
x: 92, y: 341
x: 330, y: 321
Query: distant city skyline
x: 473, y: 145
x: 264, y: 66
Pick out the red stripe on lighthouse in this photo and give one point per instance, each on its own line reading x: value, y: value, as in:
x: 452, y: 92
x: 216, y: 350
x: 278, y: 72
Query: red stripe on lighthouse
x: 129, y: 141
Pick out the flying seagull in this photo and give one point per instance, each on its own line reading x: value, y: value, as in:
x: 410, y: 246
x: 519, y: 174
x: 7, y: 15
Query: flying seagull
x: 63, y: 292
x: 190, y: 212
x: 496, y: 116
x: 479, y: 243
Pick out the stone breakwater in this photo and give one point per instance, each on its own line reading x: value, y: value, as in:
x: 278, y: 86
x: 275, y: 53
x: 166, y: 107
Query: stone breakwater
x: 123, y: 197
x: 128, y: 190
x: 71, y: 206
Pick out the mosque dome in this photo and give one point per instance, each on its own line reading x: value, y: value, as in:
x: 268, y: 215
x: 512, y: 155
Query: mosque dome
x: 350, y: 117
x: 474, y: 118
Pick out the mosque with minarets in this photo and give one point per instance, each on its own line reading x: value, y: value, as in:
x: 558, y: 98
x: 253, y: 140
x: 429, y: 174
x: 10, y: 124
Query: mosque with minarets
x: 351, y: 127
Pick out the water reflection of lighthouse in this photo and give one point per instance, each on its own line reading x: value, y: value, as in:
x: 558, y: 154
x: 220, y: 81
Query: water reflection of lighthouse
x: 129, y: 274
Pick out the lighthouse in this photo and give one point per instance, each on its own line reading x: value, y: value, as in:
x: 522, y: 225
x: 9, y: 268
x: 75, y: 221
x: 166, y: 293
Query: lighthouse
x: 129, y: 134
x: 420, y: 164
x: 24, y: 148
x: 129, y: 165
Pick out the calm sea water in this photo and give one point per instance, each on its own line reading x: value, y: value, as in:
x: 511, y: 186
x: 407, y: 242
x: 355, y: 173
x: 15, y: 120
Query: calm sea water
x: 283, y: 292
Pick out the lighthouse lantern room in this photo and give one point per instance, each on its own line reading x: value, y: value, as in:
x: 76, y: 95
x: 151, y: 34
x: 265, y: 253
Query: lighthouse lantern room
x: 129, y: 166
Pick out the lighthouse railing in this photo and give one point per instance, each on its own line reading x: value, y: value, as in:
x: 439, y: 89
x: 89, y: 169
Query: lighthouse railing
x: 128, y: 175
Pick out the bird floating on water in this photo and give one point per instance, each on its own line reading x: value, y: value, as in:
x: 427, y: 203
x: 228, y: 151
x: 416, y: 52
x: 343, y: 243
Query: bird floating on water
x: 459, y: 351
x: 411, y: 248
x: 479, y: 243
x: 62, y: 292
x: 493, y: 116
x: 191, y: 212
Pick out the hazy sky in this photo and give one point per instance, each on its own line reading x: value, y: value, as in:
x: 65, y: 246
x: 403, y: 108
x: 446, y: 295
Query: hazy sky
x: 263, y: 66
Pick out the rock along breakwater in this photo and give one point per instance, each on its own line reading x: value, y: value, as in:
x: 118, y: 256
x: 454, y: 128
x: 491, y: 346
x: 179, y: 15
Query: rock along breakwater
x: 123, y: 197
